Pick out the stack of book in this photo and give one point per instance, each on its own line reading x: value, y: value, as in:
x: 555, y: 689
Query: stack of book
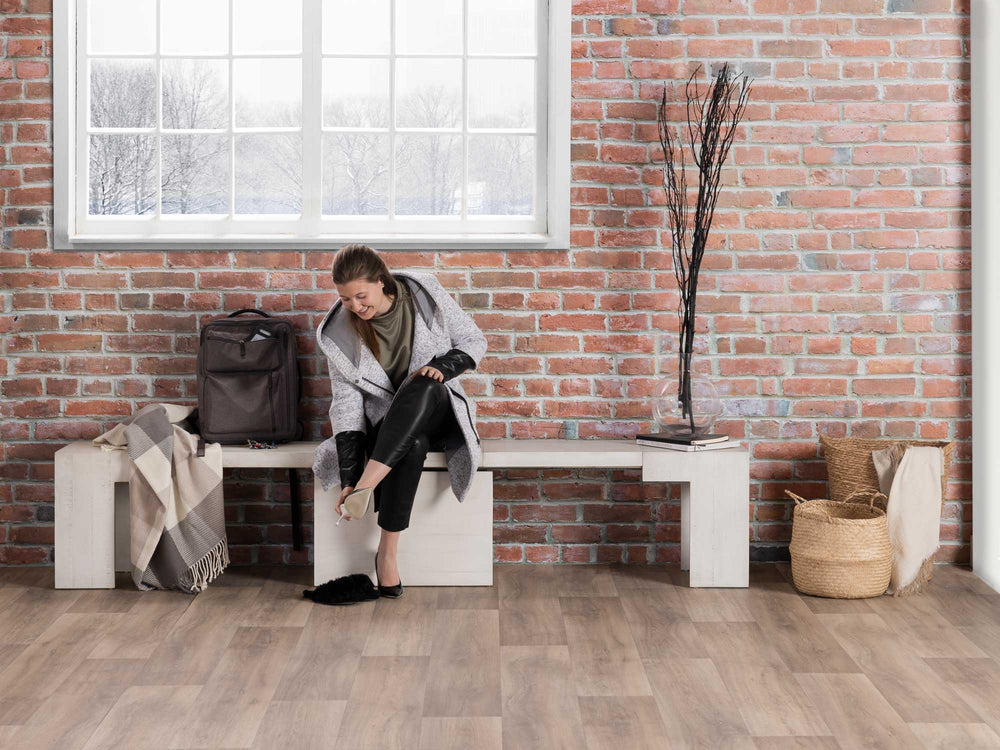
x: 709, y: 442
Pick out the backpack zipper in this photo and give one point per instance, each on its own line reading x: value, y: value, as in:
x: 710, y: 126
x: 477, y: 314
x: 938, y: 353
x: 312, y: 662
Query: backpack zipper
x: 270, y: 398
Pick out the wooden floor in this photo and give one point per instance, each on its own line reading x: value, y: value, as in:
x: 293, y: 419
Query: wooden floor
x: 550, y: 657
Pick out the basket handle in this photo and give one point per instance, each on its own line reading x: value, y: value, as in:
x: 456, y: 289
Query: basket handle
x: 872, y: 496
x: 797, y: 498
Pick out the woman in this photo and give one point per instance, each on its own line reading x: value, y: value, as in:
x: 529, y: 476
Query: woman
x: 394, y: 344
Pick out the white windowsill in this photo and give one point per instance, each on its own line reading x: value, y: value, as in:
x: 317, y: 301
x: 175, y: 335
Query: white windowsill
x: 317, y: 242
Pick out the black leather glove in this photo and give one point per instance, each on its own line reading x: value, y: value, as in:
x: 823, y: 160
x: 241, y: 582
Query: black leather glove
x: 452, y: 363
x: 350, y: 456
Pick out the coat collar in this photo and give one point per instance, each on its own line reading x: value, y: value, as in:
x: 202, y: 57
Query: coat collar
x: 342, y: 345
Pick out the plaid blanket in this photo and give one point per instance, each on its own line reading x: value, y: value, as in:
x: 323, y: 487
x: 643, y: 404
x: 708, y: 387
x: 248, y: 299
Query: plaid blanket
x: 176, y: 512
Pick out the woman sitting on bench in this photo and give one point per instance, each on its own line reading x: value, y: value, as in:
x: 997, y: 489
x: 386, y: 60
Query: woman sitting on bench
x: 393, y: 341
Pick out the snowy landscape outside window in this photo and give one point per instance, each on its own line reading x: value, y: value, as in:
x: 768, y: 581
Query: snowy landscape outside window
x: 405, y: 122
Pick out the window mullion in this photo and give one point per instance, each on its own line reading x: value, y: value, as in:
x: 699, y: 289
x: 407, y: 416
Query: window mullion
x: 312, y: 114
x: 158, y: 171
x: 465, y: 109
x: 231, y: 120
x: 82, y: 113
x: 392, y: 110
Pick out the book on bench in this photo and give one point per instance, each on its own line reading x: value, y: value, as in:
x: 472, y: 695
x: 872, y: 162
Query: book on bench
x: 690, y: 448
x: 714, y: 441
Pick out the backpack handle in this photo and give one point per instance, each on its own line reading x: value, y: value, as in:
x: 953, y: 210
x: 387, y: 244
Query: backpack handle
x: 249, y: 310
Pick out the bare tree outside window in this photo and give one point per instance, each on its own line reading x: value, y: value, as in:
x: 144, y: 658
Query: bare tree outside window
x: 195, y: 167
x: 122, y: 169
x: 429, y: 165
x: 356, y: 164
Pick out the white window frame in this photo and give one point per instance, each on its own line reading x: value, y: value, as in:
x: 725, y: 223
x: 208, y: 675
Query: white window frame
x: 548, y: 230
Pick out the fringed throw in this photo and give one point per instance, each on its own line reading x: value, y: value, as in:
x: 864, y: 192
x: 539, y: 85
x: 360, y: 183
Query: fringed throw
x: 176, y: 515
x: 913, y: 512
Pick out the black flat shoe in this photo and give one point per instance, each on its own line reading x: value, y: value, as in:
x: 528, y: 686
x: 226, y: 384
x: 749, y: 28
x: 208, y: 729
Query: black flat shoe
x: 393, y: 592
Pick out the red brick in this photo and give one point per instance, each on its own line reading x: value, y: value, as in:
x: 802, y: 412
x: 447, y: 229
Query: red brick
x: 791, y: 48
x: 860, y: 47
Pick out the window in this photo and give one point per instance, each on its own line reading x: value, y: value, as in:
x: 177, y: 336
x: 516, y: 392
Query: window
x: 311, y: 123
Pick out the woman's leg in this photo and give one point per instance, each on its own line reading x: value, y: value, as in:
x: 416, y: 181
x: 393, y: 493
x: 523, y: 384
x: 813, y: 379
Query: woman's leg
x: 397, y: 491
x: 417, y: 409
x: 394, y: 503
x: 395, y: 494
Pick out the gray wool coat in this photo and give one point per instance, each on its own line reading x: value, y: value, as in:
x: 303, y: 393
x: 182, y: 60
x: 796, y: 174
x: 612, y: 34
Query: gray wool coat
x: 360, y: 387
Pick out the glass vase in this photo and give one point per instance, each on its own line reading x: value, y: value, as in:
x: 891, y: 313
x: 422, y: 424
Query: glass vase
x: 668, y: 412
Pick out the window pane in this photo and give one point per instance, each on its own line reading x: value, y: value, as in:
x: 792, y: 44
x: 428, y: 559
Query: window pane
x: 501, y: 93
x: 266, y: 26
x: 208, y: 36
x: 502, y: 27
x: 268, y: 93
x: 355, y: 173
x: 356, y: 93
x: 194, y: 174
x: 501, y: 174
x: 428, y: 174
x: 428, y: 26
x: 122, y: 27
x: 428, y: 93
x: 195, y: 93
x: 269, y: 174
x: 351, y: 27
x: 122, y: 174
x: 122, y: 93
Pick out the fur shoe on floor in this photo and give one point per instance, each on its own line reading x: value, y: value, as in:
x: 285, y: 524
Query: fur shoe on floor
x: 349, y: 589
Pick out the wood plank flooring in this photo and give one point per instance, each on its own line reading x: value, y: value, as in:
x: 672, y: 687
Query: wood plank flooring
x: 582, y: 657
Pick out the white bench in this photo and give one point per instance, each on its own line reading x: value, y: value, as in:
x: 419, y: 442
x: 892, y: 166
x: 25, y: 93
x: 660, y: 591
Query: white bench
x: 447, y: 542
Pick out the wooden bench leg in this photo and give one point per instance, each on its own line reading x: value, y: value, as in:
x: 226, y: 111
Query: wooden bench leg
x: 325, y: 533
x: 84, y: 518
x: 715, y: 540
x: 715, y: 502
x: 447, y: 543
x: 686, y: 526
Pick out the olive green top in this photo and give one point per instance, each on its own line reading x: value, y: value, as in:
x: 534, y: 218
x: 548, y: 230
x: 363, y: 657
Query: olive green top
x: 394, y: 333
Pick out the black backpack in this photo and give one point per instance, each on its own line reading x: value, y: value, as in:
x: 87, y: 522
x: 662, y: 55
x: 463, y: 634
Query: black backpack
x: 248, y: 380
x: 249, y: 384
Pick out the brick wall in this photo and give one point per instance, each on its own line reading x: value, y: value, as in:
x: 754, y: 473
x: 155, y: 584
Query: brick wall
x: 836, y: 298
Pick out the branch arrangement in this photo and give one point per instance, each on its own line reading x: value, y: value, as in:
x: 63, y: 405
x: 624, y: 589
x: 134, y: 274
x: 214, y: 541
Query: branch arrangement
x: 712, y: 120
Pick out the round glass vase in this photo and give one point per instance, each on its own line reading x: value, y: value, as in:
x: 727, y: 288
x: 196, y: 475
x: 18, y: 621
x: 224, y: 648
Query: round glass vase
x: 668, y: 412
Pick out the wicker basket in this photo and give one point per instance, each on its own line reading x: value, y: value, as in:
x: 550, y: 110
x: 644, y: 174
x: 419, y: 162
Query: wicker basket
x: 849, y: 465
x: 840, y: 549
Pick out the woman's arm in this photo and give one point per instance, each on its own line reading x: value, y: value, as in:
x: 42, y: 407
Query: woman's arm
x: 452, y: 363
x: 347, y: 418
x: 350, y: 456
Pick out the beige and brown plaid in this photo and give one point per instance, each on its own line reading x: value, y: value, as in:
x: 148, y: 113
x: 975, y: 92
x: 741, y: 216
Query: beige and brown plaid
x: 176, y: 518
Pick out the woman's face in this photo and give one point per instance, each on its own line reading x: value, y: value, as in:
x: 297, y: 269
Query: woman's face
x: 364, y: 298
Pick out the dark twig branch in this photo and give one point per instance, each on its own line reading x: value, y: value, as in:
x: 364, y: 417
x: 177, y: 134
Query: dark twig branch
x: 712, y: 121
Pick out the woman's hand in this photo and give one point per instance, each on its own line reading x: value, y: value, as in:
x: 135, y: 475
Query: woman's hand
x: 340, y: 501
x: 431, y: 372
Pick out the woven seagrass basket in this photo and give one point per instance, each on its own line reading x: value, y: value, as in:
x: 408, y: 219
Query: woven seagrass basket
x: 840, y: 549
x: 849, y: 465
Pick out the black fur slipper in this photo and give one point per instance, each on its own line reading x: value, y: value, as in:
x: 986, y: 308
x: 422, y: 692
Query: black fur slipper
x: 350, y: 589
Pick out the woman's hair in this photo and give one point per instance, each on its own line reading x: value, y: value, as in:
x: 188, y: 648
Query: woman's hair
x: 359, y: 262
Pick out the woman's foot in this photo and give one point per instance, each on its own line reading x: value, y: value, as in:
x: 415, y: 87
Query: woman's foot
x: 386, y: 570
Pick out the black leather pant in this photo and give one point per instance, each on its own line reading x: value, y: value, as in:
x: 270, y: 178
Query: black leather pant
x: 420, y: 419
